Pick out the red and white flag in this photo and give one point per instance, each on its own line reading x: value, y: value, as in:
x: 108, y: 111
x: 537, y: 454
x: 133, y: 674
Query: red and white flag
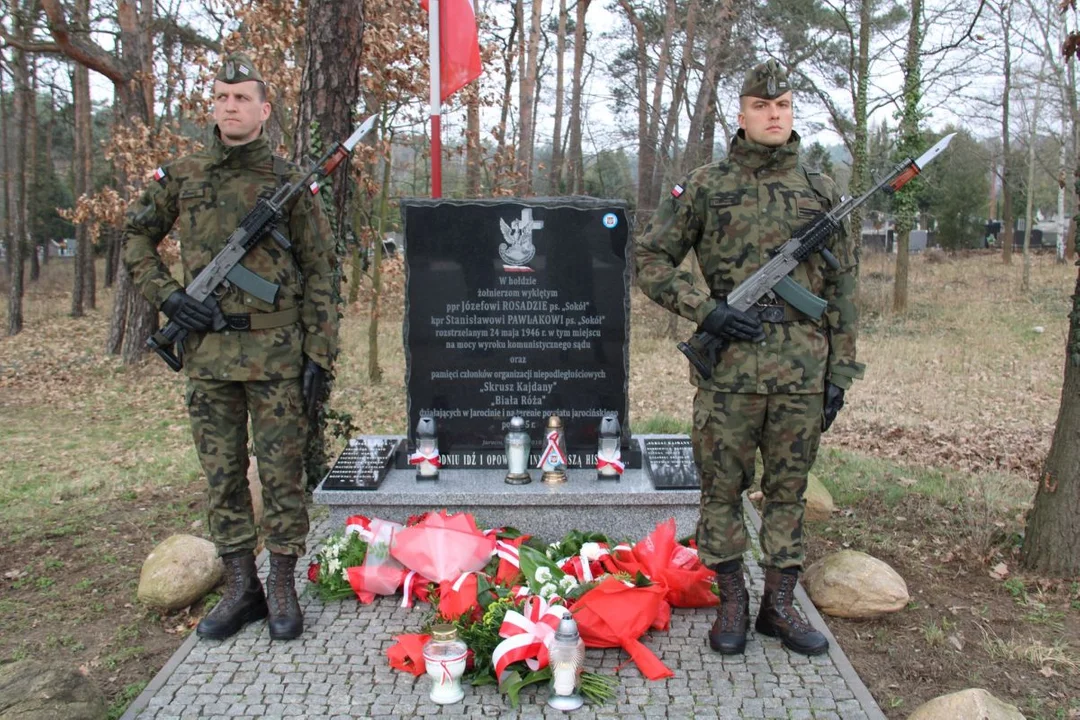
x: 459, y: 46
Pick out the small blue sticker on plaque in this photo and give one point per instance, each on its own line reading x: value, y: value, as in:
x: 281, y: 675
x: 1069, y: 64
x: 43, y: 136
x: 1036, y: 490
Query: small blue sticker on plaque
x: 610, y: 220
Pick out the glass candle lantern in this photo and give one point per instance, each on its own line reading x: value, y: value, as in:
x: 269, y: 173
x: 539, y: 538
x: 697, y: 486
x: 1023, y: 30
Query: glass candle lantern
x: 426, y: 458
x: 609, y: 464
x: 444, y: 660
x: 566, y: 654
x: 518, y: 445
x: 553, y: 458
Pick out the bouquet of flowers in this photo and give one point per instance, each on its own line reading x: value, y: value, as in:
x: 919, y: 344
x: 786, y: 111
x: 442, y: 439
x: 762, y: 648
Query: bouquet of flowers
x: 329, y: 573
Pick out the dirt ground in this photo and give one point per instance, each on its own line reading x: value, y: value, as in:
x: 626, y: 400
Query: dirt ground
x: 98, y: 469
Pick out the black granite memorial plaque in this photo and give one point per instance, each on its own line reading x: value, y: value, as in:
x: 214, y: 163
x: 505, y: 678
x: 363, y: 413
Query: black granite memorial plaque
x: 362, y: 465
x: 516, y: 307
x: 670, y: 462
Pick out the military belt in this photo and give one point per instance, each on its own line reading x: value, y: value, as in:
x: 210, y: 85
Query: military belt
x: 262, y: 321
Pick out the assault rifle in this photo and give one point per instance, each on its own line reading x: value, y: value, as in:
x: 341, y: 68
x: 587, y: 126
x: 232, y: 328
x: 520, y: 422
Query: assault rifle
x: 260, y: 221
x: 773, y: 277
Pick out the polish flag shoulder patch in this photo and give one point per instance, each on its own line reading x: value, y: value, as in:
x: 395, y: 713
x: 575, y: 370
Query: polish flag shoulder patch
x: 314, y: 187
x: 677, y: 191
x: 159, y: 176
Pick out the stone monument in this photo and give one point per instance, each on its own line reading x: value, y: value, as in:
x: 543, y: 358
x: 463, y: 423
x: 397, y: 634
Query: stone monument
x: 518, y: 308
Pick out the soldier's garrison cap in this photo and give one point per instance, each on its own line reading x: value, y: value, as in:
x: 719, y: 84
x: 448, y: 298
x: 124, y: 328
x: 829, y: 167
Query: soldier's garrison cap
x: 766, y: 80
x: 238, y: 68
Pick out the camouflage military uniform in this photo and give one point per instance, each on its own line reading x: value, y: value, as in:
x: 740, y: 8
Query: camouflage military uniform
x: 237, y: 373
x: 768, y: 395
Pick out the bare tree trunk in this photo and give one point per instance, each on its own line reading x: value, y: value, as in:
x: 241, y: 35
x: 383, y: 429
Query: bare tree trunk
x: 31, y: 198
x: 646, y: 154
x: 555, y: 172
x: 1052, y: 537
x: 1006, y: 164
x: 374, y: 371
x: 82, y: 296
x: 329, y: 92
x: 528, y: 85
x: 858, y: 183
x: 474, y: 156
x: 719, y: 38
x: 6, y: 189
x: 502, y: 147
x: 575, y: 166
x: 672, y: 121
x: 18, y: 189
x: 905, y: 203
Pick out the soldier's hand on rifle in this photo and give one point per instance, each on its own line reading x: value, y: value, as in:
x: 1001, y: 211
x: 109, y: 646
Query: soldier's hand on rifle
x: 834, y: 400
x: 314, y: 385
x: 187, y: 312
x: 726, y: 321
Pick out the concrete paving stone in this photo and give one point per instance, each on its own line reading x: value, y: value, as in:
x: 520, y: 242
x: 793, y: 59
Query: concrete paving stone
x: 821, y: 703
x: 827, y: 716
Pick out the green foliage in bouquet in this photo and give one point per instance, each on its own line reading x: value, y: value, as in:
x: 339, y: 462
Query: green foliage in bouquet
x: 328, y: 573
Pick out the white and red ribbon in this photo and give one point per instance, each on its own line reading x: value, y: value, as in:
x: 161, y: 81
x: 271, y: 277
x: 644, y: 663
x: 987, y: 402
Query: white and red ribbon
x: 527, y: 635
x: 552, y: 447
x: 432, y: 457
x: 407, y: 589
x: 615, y: 462
x: 508, y: 552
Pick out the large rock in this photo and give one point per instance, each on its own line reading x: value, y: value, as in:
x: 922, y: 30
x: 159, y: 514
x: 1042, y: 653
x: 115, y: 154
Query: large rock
x: 973, y: 704
x: 819, y: 503
x: 179, y: 571
x: 852, y: 584
x: 30, y: 690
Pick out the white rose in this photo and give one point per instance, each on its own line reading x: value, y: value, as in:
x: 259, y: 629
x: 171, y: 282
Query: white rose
x: 548, y: 590
x: 590, y: 551
x: 543, y: 574
x: 568, y: 582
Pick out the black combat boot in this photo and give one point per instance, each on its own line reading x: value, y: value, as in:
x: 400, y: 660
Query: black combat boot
x: 243, y: 601
x: 728, y: 633
x: 778, y: 617
x: 286, y: 621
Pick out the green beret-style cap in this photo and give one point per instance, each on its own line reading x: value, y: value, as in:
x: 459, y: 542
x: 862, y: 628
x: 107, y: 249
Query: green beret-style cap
x: 238, y: 68
x: 767, y: 80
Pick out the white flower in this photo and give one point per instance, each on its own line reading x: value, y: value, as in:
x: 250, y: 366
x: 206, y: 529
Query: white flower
x: 333, y: 566
x: 553, y: 550
x: 568, y: 582
x: 543, y: 574
x: 548, y: 590
x: 590, y: 551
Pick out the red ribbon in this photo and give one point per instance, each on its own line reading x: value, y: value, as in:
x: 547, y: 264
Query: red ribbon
x: 418, y: 457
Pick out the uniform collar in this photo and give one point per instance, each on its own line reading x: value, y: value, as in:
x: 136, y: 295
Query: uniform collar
x: 238, y: 156
x: 751, y: 155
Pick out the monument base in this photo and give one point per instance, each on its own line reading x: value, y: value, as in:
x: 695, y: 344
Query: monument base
x: 624, y: 509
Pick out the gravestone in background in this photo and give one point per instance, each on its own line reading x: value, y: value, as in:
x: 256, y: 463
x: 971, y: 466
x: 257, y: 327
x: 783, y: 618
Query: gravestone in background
x: 516, y: 308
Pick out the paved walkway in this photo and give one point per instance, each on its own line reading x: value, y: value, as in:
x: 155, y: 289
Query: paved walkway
x: 338, y: 670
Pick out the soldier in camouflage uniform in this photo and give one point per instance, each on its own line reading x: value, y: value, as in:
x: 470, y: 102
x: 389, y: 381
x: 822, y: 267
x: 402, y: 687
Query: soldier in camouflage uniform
x: 271, y: 360
x: 781, y: 379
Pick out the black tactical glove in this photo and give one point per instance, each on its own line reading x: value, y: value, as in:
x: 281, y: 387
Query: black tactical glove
x: 726, y: 321
x: 187, y: 312
x: 314, y: 385
x: 834, y: 400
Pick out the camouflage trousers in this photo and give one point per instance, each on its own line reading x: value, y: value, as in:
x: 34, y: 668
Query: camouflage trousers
x: 219, y: 413
x: 729, y: 428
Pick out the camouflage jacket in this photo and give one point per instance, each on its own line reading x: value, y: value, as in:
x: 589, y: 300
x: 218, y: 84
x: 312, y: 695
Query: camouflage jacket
x: 733, y: 214
x: 207, y: 194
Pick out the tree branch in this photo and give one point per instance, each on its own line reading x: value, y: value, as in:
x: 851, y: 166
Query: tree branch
x: 82, y: 51
x: 185, y: 33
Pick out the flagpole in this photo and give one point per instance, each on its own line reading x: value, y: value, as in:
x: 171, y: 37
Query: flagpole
x: 436, y: 109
